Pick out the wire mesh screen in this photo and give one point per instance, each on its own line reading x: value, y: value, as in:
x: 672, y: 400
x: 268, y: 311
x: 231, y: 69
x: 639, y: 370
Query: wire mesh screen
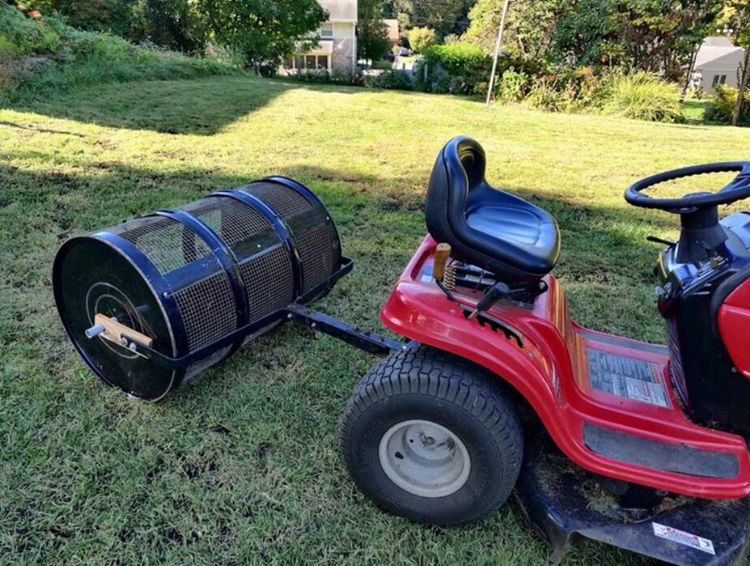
x: 313, y: 233
x: 234, y: 222
x: 268, y: 281
x: 208, y: 309
x: 166, y: 242
x: 287, y: 202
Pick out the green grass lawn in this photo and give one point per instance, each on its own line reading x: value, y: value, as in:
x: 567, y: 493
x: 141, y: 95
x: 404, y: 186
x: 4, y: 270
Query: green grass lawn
x: 694, y: 110
x: 242, y: 465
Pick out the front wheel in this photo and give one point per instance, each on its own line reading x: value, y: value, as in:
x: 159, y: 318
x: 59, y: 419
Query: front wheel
x: 432, y: 438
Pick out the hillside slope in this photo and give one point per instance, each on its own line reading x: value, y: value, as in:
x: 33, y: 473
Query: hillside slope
x: 39, y: 55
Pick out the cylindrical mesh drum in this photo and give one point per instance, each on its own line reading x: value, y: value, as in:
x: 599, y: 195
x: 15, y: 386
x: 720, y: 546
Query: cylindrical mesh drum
x: 191, y: 279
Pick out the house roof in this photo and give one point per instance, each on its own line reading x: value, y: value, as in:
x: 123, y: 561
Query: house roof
x: 340, y: 9
x: 714, y: 48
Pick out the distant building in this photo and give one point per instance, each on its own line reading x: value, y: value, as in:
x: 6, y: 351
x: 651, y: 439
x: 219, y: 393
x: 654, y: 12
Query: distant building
x: 337, y: 50
x: 718, y: 62
x: 392, y: 30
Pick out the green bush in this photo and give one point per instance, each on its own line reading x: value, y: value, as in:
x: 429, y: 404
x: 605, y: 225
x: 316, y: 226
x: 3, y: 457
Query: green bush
x: 564, y: 91
x: 25, y: 35
x: 324, y: 77
x: 722, y: 105
x: 393, y: 79
x: 640, y: 95
x: 546, y: 95
x: 580, y: 87
x: 421, y: 39
x: 382, y: 64
x: 460, y: 59
x: 459, y: 68
x: 513, y: 86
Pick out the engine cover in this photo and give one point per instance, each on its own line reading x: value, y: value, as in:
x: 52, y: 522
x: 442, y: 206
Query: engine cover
x: 706, y: 307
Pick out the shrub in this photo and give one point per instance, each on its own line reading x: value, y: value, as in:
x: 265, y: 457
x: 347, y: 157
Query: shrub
x: 444, y: 65
x: 421, y: 39
x: 513, y: 86
x: 324, y: 77
x: 382, y: 64
x: 393, y: 79
x: 26, y: 35
x: 640, y: 95
x: 544, y: 94
x: 722, y: 105
x: 580, y: 87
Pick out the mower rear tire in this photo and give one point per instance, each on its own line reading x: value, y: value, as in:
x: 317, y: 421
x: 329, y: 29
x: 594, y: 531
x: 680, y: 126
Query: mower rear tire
x: 433, y: 438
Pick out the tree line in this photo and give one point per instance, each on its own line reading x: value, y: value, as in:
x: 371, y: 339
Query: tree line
x: 658, y: 36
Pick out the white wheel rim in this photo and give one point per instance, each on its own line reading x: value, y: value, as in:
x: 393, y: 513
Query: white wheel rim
x: 424, y: 458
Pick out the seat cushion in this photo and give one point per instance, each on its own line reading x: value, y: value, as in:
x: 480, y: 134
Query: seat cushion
x: 523, y: 234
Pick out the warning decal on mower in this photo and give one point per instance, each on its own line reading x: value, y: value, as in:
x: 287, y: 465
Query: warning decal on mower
x: 631, y: 378
x: 681, y: 537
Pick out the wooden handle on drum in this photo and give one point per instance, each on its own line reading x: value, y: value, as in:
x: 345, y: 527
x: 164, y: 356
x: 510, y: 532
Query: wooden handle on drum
x: 442, y: 253
x: 115, y: 331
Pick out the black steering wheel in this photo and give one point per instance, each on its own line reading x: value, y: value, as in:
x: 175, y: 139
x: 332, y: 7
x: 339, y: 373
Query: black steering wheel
x: 738, y: 189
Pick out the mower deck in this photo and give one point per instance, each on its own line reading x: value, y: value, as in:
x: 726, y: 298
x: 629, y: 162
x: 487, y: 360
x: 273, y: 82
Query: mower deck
x: 564, y: 503
x: 607, y: 401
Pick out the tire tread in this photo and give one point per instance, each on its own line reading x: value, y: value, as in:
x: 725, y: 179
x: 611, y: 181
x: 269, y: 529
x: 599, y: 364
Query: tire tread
x: 430, y: 372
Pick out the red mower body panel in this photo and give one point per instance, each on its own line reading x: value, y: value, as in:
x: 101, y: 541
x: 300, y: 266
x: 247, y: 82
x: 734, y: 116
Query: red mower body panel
x: 606, y: 401
x: 734, y: 322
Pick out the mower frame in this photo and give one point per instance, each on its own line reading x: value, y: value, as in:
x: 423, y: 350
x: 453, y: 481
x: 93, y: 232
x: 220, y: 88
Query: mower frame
x: 636, y: 442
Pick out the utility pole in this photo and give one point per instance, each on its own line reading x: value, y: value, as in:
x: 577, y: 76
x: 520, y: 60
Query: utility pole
x: 498, y: 45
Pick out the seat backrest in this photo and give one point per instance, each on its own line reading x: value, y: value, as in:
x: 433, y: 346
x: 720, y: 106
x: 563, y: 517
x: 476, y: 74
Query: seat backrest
x: 459, y: 167
x: 457, y: 186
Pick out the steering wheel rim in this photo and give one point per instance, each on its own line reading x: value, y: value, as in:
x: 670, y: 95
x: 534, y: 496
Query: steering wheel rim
x: 737, y: 189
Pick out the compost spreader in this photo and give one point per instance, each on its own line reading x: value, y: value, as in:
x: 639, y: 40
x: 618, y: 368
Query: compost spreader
x: 155, y: 301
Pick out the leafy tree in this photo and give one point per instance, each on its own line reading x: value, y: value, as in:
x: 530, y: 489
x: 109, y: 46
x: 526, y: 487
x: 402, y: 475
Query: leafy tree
x: 735, y: 16
x: 585, y: 34
x: 174, y: 24
x: 421, y: 38
x: 649, y: 35
x: 116, y: 16
x: 443, y: 16
x: 263, y: 31
x: 372, y: 33
x: 529, y: 27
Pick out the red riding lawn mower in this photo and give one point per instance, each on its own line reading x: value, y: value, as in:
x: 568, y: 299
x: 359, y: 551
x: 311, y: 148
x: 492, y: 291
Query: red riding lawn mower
x: 637, y: 445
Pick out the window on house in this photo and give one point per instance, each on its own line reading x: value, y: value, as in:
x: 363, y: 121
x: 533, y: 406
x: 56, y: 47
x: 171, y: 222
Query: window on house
x: 326, y: 31
x: 719, y: 80
x: 309, y: 62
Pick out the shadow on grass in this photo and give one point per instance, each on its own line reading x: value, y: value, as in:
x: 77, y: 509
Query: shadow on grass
x: 200, y: 106
x: 608, y: 236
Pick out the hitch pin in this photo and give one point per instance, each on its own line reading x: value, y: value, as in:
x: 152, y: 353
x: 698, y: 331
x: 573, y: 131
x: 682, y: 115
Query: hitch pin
x: 94, y: 331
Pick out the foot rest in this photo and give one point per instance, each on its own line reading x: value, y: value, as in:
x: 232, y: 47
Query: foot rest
x: 675, y: 458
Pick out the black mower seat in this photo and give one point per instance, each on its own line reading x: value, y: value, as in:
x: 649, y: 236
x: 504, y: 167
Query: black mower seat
x: 492, y: 229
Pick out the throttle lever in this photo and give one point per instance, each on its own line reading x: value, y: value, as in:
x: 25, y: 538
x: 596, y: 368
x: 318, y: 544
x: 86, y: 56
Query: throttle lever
x: 498, y: 291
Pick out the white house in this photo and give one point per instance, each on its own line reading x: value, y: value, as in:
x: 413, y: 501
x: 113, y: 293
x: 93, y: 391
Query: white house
x: 718, y: 62
x: 337, y: 50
